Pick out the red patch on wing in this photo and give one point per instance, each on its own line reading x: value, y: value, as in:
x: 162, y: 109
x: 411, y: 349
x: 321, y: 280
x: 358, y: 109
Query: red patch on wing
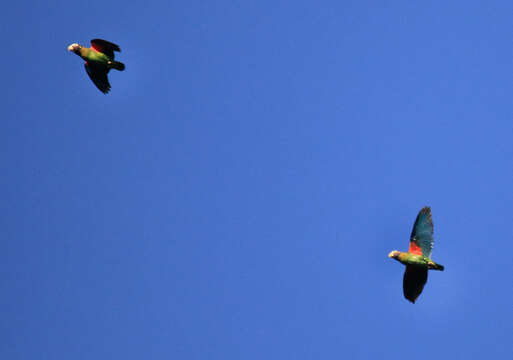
x: 414, y: 248
x: 94, y: 48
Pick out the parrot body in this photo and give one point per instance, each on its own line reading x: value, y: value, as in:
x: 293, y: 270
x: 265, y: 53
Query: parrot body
x: 99, y: 59
x: 407, y: 258
x: 418, y: 258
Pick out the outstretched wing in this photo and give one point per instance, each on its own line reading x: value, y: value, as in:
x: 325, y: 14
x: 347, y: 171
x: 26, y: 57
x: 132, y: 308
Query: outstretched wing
x: 105, y: 47
x: 421, y: 239
x: 415, y: 277
x: 98, y: 73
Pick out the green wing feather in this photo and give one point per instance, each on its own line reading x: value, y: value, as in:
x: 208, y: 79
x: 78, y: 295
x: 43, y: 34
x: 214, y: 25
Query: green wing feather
x: 422, y: 233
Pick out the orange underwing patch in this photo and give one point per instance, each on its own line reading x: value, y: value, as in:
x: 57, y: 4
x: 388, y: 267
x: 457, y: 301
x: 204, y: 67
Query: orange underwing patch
x: 414, y: 248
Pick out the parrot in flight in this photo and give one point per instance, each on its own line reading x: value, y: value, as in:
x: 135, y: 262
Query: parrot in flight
x: 99, y: 59
x: 418, y: 258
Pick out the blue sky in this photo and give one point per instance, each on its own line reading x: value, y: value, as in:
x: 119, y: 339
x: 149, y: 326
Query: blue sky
x: 236, y: 194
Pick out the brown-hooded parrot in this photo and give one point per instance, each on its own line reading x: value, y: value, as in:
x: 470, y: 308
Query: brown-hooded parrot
x: 418, y: 258
x: 99, y: 59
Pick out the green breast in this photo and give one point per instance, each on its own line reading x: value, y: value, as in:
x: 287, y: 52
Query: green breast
x: 94, y: 56
x: 412, y: 259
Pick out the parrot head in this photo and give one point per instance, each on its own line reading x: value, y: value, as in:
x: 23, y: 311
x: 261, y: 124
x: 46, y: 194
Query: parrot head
x: 394, y: 254
x: 74, y: 47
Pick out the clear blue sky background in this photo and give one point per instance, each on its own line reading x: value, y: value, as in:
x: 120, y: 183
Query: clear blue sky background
x: 236, y: 194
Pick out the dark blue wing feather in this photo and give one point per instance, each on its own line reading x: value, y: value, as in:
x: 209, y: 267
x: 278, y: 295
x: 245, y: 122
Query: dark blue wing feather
x: 98, y: 74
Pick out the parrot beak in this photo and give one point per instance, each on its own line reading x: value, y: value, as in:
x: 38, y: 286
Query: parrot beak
x: 392, y: 254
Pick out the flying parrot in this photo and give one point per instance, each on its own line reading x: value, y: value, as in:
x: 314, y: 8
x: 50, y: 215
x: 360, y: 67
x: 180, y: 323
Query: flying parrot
x: 99, y: 59
x: 418, y: 258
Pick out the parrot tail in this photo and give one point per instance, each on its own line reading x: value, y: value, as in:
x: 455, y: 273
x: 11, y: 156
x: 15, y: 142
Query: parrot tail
x: 434, y: 266
x: 117, y: 65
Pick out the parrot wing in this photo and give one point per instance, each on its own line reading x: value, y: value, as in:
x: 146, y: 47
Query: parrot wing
x: 105, y: 47
x: 421, y: 239
x: 415, y: 277
x: 98, y: 75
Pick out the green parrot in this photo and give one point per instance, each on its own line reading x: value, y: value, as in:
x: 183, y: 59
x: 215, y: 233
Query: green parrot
x: 418, y: 258
x: 99, y: 59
